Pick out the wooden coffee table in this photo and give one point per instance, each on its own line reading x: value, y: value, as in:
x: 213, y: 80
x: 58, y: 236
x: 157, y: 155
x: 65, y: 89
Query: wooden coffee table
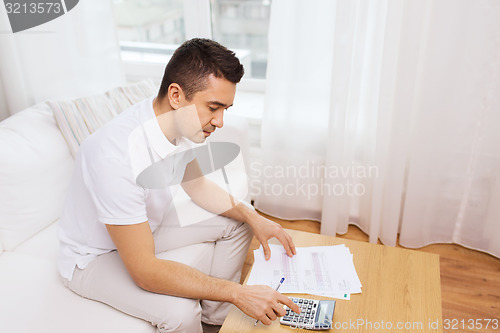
x: 401, y: 292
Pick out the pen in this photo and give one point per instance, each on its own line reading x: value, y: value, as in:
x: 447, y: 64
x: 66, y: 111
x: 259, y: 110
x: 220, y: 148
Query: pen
x: 278, y: 287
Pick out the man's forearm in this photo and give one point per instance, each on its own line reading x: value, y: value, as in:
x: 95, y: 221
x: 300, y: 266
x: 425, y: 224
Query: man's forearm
x: 176, y: 279
x: 213, y: 198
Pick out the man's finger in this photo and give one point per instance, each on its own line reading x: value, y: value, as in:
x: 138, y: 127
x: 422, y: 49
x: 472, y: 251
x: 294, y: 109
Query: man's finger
x: 279, y: 310
x: 284, y: 241
x: 267, y: 251
x: 265, y: 320
x: 272, y: 315
x: 288, y: 302
x: 292, y: 245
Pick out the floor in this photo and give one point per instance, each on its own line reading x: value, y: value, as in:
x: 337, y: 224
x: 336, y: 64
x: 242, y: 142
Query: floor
x: 470, y: 280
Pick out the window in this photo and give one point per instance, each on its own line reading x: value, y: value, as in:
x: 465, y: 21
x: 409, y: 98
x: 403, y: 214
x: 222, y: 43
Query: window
x: 243, y: 25
x: 150, y: 30
x: 153, y: 21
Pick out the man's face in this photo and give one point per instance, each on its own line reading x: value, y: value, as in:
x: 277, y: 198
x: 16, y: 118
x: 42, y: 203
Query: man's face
x: 208, y: 113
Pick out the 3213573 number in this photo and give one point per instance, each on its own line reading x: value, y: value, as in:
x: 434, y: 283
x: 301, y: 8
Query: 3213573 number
x: 33, y: 7
x: 470, y: 324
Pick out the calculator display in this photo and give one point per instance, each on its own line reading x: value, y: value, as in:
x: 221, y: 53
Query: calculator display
x: 325, y: 314
x: 322, y: 312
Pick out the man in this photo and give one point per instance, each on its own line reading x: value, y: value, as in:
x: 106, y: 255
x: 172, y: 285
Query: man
x: 112, y: 231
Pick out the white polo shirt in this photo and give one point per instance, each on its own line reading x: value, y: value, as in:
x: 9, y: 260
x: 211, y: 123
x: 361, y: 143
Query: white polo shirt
x: 104, y: 187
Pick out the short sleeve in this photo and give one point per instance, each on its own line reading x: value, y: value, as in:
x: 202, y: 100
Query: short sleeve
x: 117, y: 198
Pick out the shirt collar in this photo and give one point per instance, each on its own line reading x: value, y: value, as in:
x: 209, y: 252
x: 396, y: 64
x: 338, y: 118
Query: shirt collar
x: 157, y: 139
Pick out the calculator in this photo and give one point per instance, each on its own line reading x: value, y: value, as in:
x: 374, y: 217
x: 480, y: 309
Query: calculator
x: 315, y: 315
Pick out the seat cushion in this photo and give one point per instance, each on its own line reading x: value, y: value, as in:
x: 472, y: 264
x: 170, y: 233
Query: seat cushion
x: 35, y: 300
x: 43, y: 245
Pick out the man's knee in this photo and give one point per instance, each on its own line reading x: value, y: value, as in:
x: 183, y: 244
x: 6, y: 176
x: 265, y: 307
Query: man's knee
x: 182, y: 318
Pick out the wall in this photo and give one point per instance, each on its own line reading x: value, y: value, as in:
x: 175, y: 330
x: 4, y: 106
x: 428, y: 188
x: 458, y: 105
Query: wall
x: 4, y: 113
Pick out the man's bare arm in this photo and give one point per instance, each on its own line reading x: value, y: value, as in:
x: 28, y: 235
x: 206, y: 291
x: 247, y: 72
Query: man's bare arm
x: 135, y: 245
x: 212, y: 197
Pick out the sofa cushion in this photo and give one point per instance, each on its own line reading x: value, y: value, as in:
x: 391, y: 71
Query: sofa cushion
x: 35, y: 170
x: 35, y: 300
x: 81, y: 117
x: 44, y: 245
x: 125, y: 96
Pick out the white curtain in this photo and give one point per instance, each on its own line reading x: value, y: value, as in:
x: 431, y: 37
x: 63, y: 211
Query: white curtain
x: 73, y: 55
x: 385, y: 114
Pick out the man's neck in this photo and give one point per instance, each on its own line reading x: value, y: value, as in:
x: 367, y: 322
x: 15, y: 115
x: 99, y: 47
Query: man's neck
x: 163, y: 112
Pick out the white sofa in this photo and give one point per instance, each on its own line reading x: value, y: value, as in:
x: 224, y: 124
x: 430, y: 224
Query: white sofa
x: 35, y: 170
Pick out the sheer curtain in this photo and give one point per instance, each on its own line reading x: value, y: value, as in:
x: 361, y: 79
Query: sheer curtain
x: 385, y: 115
x: 73, y: 55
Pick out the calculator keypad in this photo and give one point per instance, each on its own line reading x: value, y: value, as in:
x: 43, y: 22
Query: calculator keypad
x: 307, y: 315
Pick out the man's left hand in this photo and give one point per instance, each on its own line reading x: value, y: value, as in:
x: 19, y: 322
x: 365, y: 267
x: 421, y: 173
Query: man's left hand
x: 265, y: 229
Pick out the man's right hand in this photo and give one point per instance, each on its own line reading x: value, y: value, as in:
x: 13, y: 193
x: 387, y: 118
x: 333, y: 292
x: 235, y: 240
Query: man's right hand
x: 262, y: 303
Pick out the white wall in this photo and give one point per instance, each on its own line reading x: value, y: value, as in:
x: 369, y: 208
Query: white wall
x: 4, y: 113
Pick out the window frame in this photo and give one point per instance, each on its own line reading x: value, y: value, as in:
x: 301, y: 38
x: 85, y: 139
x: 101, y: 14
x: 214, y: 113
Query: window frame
x: 197, y: 23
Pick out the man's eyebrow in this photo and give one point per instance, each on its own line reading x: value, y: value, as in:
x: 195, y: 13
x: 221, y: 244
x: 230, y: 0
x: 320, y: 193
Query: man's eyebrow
x: 220, y: 104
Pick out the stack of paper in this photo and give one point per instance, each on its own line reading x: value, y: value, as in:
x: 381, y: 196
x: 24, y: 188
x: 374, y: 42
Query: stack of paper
x: 318, y: 270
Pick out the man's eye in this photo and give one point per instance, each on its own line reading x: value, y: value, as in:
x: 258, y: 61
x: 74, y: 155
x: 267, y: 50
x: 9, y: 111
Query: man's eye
x: 212, y: 109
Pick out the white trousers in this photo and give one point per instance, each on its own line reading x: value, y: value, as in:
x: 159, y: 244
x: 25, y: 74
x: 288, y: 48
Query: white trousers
x: 106, y: 279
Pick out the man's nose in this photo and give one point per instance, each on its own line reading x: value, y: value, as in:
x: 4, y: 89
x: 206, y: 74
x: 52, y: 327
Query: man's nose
x: 218, y: 119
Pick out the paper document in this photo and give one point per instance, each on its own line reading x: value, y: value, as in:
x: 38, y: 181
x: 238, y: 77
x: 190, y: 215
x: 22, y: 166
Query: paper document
x: 318, y: 270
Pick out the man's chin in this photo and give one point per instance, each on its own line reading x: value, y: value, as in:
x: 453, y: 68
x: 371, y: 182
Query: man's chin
x: 198, y: 137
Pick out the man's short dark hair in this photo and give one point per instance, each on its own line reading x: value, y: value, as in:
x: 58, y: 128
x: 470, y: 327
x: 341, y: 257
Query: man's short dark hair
x: 194, y: 61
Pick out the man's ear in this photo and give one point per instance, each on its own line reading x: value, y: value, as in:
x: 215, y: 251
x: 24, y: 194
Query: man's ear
x: 175, y: 95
